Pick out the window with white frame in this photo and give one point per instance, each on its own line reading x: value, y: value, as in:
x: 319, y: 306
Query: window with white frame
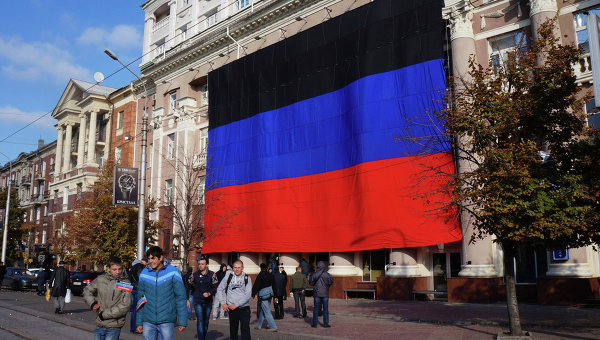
x: 580, y: 21
x: 43, y: 236
x: 204, y: 95
x: 501, y: 46
x: 38, y: 213
x: 169, y: 191
x: 212, y: 18
x: 118, y: 151
x: 120, y: 119
x: 171, y: 146
x: 43, y: 168
x: 45, y: 210
x: 241, y: 4
x: 172, y: 102
x: 201, y: 187
x: 203, y: 140
x: 183, y: 34
x: 160, y: 49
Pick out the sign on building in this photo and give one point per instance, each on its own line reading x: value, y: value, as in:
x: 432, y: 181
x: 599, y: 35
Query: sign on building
x: 125, y: 186
x: 560, y: 255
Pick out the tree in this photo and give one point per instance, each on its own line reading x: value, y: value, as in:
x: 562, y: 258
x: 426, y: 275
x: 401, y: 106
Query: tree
x: 15, y: 235
x: 503, y: 122
x: 97, y: 230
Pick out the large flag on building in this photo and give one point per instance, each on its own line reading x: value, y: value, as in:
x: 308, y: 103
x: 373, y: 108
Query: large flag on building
x: 303, y: 153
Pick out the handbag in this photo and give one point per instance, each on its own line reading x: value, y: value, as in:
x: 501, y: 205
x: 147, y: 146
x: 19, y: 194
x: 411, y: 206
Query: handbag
x: 48, y: 292
x: 265, y: 293
x: 68, y: 296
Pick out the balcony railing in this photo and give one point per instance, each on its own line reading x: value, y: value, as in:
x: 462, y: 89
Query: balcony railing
x: 583, y: 69
x: 161, y: 23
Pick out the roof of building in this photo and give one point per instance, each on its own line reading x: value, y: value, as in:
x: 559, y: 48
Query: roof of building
x: 93, y: 88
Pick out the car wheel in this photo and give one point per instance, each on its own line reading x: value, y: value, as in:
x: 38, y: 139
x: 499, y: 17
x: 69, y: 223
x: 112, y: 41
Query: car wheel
x: 15, y: 285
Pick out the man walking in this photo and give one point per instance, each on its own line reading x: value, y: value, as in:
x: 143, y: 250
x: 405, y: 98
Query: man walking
x: 264, y: 287
x: 298, y: 283
x: 110, y: 296
x: 161, y: 298
x: 235, y: 292
x: 40, y: 279
x: 59, y: 282
x: 204, y: 286
x: 280, y: 279
x: 134, y: 276
x: 321, y: 281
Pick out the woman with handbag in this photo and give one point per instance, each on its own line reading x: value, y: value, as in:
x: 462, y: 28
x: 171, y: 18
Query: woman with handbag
x: 263, y: 287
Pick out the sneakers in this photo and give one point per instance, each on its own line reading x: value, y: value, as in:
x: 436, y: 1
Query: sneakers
x: 326, y: 326
x: 214, y: 318
x: 272, y: 330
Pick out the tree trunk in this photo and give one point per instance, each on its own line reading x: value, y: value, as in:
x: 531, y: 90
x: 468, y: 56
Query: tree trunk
x: 514, y: 319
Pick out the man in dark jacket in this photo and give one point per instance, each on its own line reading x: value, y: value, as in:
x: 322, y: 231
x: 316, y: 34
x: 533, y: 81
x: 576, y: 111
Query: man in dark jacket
x: 59, y: 282
x: 280, y: 278
x: 217, y: 304
x: 204, y: 285
x: 134, y: 276
x: 321, y: 281
x: 264, y: 281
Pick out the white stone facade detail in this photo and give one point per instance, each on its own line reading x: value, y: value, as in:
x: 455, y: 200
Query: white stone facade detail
x: 539, y: 6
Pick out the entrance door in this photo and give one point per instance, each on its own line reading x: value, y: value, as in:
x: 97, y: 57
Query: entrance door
x: 374, y: 262
x: 439, y: 272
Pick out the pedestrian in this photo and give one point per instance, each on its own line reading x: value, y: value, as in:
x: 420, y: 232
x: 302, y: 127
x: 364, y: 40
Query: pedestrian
x: 2, y: 272
x: 321, y: 281
x: 234, y: 292
x: 189, y: 292
x: 280, y: 278
x: 40, y: 279
x: 305, y: 267
x: 264, y: 287
x: 134, y: 276
x: 298, y: 283
x: 161, y: 298
x: 59, y: 282
x: 216, y: 309
x: 110, y: 296
x: 204, y: 284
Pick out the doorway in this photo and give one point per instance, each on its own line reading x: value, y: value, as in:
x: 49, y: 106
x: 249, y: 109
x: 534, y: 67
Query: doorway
x: 374, y: 262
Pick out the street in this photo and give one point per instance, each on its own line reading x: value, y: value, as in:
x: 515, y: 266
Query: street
x: 24, y: 315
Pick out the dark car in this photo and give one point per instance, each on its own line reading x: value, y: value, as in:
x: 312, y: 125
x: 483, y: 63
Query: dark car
x: 17, y: 279
x: 81, y: 279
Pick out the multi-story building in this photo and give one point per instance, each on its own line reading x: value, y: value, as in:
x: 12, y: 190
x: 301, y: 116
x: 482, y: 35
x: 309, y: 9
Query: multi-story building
x: 31, y: 175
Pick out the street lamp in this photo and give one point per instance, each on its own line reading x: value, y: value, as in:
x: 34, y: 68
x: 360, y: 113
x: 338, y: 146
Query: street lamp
x: 141, y: 210
x: 5, y: 232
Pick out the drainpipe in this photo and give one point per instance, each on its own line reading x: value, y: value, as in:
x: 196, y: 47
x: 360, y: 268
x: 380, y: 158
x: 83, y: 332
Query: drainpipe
x: 237, y: 43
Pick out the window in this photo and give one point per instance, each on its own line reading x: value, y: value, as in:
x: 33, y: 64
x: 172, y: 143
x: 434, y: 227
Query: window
x: 45, y: 210
x: 65, y: 195
x: 241, y: 4
x: 211, y: 18
x: 171, y: 146
x: 203, y: 140
x: 529, y: 264
x: 172, y: 102
x: 374, y: 262
x: 38, y: 213
x: 43, y: 236
x: 118, y: 151
x: 201, y: 191
x: 204, y: 95
x: 160, y: 49
x: 120, y: 118
x: 169, y: 191
x: 580, y: 21
x: 43, y: 168
x: 501, y: 46
x: 100, y: 159
x: 79, y: 190
x: 183, y: 34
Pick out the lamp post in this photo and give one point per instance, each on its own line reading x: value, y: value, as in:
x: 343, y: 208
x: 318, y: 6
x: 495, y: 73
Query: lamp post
x: 142, y: 188
x: 5, y: 231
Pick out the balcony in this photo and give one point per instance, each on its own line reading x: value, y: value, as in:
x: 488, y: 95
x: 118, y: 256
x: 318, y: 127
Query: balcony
x: 161, y: 23
x: 583, y: 69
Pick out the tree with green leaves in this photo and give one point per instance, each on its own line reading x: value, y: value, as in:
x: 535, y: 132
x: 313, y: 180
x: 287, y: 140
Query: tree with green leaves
x: 16, y: 233
x: 98, y: 229
x: 527, y: 161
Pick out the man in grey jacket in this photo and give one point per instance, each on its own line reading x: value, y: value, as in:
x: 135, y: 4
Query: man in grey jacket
x: 321, y: 281
x: 235, y: 291
x: 110, y: 296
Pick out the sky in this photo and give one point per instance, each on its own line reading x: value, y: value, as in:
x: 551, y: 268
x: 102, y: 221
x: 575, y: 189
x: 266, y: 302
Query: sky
x: 43, y: 44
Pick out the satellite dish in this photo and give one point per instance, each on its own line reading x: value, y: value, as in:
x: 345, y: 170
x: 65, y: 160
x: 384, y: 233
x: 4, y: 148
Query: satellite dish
x: 98, y: 77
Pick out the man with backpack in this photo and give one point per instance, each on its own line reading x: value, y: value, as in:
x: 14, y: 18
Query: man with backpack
x: 321, y: 281
x: 235, y: 292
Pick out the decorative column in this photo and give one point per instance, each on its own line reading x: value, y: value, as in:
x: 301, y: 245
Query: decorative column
x: 540, y: 11
x: 59, y: 150
x: 172, y: 22
x: 67, y: 148
x: 250, y: 261
x: 148, y: 30
x: 81, y: 141
x: 342, y: 264
x: 477, y: 258
x: 403, y: 263
x: 290, y: 262
x: 91, y: 156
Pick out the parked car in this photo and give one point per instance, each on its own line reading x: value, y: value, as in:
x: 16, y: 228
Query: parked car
x: 79, y: 280
x: 17, y: 279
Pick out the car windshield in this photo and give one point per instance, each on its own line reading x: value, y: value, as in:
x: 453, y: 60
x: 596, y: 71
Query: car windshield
x: 18, y: 272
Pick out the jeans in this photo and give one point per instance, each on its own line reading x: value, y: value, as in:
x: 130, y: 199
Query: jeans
x: 102, y: 333
x: 190, y: 314
x: 318, y: 302
x: 265, y: 313
x: 59, y: 302
x: 202, y: 316
x: 134, y: 301
x: 240, y: 315
x: 299, y: 298
x: 164, y: 331
x: 216, y: 309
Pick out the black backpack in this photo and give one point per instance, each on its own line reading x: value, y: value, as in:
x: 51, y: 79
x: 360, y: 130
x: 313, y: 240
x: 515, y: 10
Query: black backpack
x: 229, y: 280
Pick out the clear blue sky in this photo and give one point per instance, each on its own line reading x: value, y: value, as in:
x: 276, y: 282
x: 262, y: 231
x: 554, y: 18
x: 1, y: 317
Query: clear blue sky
x: 44, y: 43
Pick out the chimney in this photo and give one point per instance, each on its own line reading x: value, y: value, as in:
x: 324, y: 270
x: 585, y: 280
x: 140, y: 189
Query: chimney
x: 40, y: 143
